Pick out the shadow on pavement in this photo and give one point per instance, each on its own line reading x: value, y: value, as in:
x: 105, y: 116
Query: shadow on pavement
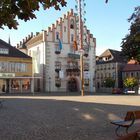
x: 52, y: 119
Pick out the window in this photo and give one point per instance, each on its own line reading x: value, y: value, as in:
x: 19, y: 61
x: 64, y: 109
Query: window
x: 132, y: 74
x: 23, y: 68
x: 12, y: 66
x: 72, y: 37
x: 64, y: 28
x: 71, y: 48
x: 57, y: 49
x: 85, y: 39
x: 29, y: 52
x: 127, y: 74
x: 57, y: 65
x: 137, y: 74
x: 57, y: 35
x: 3, y: 66
x: 72, y: 24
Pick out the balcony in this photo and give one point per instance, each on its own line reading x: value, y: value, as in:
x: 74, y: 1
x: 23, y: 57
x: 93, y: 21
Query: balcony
x: 73, y: 56
x: 72, y: 71
x: 57, y: 66
x: 58, y: 82
x: 86, y: 54
x: 86, y: 67
x: 86, y: 82
x: 57, y: 49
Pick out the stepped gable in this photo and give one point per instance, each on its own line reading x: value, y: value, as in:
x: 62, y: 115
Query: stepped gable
x: 13, y: 52
x: 22, y: 44
x: 38, y: 37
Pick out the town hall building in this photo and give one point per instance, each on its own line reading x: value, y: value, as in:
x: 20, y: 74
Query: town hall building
x: 56, y: 56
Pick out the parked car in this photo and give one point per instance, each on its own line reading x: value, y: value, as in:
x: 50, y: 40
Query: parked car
x: 117, y: 91
x: 127, y: 91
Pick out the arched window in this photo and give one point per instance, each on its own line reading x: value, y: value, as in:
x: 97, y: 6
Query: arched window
x: 72, y: 24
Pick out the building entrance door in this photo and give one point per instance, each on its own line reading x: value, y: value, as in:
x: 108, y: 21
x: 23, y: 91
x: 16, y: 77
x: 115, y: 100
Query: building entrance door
x: 72, y: 85
x: 2, y: 86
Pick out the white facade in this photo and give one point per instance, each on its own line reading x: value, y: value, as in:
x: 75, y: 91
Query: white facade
x: 60, y: 69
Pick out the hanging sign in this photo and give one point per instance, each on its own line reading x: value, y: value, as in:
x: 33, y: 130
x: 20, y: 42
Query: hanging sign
x: 61, y: 74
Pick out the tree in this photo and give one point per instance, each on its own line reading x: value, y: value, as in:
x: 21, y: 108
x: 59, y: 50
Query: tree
x: 130, y: 82
x: 10, y: 10
x: 131, y: 43
x: 106, y: 1
x: 109, y: 82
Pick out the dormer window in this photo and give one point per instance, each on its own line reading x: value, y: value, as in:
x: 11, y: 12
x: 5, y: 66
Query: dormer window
x: 72, y: 24
x: 4, y: 51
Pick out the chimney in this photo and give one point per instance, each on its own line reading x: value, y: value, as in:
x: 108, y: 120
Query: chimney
x: 57, y: 22
x: 23, y: 41
x: 49, y: 29
x: 60, y: 20
x: 17, y: 45
x: 71, y: 12
x: 91, y: 35
x: 53, y: 26
x: 68, y: 13
x: 64, y: 16
x: 37, y: 33
x: 20, y: 43
x: 31, y: 34
x: 26, y: 39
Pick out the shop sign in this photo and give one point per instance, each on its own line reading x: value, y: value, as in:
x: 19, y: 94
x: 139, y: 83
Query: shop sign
x: 61, y: 74
x: 86, y: 74
x: 3, y: 75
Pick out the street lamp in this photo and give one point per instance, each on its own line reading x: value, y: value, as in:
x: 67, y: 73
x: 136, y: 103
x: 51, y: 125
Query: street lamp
x: 81, y: 46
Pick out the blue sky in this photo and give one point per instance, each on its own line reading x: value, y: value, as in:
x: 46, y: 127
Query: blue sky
x: 107, y: 22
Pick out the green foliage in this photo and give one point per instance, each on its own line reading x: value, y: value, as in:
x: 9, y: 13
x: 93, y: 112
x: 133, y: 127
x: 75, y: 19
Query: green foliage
x: 109, y: 82
x: 130, y: 82
x: 58, y: 85
x: 10, y: 10
x: 131, y: 43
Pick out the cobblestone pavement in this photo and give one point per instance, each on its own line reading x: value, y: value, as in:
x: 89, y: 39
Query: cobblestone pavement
x: 63, y: 117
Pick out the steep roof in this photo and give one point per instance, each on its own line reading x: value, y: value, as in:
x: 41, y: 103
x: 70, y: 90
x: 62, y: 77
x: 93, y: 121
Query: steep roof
x: 131, y: 67
x: 115, y: 56
x: 12, y: 51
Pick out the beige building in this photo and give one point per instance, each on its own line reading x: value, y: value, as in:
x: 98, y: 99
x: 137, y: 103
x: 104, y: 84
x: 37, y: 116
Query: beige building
x: 15, y: 70
x: 109, y: 65
x: 56, y: 56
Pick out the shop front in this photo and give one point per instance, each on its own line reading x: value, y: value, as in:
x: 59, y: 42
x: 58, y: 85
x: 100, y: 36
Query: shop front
x: 11, y: 84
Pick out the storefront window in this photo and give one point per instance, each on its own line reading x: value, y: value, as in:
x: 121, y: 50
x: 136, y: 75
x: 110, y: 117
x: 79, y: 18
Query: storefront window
x: 15, y: 85
x: 26, y: 85
x: 3, y: 67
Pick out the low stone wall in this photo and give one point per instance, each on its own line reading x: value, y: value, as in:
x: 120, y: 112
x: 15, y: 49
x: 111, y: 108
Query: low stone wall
x: 104, y: 90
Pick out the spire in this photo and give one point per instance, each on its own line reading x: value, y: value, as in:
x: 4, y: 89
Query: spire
x: 9, y: 42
